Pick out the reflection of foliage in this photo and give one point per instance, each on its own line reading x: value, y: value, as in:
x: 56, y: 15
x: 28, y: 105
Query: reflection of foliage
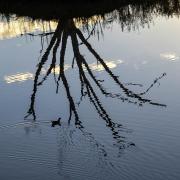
x: 130, y: 14
x: 67, y: 28
x: 133, y: 14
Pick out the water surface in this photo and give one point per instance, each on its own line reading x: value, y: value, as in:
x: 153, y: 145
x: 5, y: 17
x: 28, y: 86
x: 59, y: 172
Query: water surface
x: 119, y: 117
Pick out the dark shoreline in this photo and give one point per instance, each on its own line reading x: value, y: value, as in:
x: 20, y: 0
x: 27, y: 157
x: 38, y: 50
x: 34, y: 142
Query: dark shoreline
x: 56, y: 9
x: 67, y: 9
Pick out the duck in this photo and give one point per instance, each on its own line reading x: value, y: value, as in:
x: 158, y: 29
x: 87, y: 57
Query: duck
x: 57, y: 122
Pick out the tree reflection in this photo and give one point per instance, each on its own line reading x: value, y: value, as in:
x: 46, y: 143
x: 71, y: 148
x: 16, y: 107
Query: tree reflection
x: 130, y: 14
x: 67, y: 28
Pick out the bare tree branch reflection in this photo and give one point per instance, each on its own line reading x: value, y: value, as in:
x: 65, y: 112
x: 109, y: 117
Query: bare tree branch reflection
x: 66, y: 28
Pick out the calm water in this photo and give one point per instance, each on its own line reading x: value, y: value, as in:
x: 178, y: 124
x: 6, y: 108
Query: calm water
x: 124, y: 125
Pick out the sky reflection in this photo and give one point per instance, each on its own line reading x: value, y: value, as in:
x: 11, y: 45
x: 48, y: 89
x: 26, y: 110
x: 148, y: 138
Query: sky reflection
x: 24, y: 76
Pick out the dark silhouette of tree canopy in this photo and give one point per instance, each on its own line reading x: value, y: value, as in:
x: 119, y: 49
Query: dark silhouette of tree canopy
x: 128, y: 10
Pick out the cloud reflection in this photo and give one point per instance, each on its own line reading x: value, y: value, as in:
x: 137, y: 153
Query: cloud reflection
x: 19, y: 77
x: 24, y: 76
x: 110, y: 64
x: 21, y: 25
x: 170, y: 56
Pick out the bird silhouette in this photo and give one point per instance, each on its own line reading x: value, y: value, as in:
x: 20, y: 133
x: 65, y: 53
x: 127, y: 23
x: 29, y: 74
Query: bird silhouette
x: 55, y: 123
